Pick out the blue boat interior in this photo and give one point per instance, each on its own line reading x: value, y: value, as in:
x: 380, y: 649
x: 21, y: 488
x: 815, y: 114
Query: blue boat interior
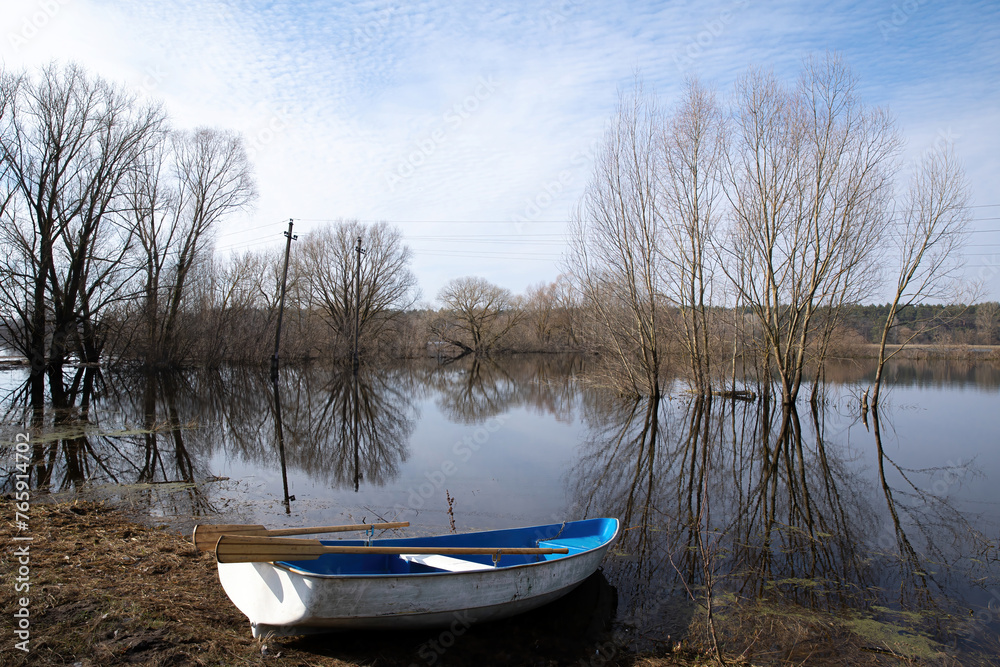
x: 577, y: 536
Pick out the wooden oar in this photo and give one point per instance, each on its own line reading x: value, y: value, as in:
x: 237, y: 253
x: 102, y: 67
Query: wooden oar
x: 249, y: 549
x: 205, y: 536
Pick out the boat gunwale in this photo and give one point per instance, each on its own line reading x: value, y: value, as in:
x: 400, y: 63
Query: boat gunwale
x: 286, y: 565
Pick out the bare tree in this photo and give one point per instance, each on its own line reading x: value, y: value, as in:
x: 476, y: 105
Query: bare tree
x: 615, y: 240
x: 987, y: 319
x: 567, y: 311
x: 68, y: 142
x: 18, y: 270
x: 479, y: 314
x: 9, y: 86
x: 692, y: 152
x: 325, y: 267
x: 237, y: 305
x: 179, y: 196
x: 540, y: 304
x: 928, y: 239
x: 808, y: 176
x: 214, y: 179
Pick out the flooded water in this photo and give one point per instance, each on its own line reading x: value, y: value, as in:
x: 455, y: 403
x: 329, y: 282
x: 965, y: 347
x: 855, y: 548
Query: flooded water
x: 889, y: 520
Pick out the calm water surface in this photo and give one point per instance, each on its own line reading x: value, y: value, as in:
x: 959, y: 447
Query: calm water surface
x: 890, y: 519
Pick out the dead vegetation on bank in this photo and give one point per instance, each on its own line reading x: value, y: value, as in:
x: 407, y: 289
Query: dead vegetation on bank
x: 107, y: 590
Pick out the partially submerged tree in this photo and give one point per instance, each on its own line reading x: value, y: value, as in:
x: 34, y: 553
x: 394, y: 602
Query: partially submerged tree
x: 179, y: 196
x: 616, y: 239
x: 550, y: 315
x: 68, y: 142
x: 478, y: 315
x: 540, y: 303
x: 326, y: 270
x: 236, y: 306
x: 809, y: 178
x: 693, y: 145
x: 928, y: 238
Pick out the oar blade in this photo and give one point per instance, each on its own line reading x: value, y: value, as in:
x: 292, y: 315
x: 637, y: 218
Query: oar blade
x: 205, y: 536
x: 250, y: 549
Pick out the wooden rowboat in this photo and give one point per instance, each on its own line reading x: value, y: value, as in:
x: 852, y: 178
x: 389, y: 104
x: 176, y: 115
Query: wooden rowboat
x: 339, y: 591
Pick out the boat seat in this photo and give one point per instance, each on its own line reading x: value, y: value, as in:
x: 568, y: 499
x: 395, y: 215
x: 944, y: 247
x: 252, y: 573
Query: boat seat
x: 574, y: 544
x: 445, y: 562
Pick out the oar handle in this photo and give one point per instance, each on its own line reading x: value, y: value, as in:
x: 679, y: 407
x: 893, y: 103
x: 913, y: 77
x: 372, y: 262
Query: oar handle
x: 442, y: 551
x: 278, y: 532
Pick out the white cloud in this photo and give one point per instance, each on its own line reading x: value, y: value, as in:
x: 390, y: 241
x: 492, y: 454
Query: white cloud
x: 335, y: 98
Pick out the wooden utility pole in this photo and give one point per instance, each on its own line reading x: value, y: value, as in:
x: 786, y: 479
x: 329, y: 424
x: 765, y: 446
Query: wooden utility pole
x: 281, y: 303
x: 357, y: 304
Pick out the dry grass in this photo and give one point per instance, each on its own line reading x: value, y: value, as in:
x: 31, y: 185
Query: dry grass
x: 108, y: 591
x: 789, y: 635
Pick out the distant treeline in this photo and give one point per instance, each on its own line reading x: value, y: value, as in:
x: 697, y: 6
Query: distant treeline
x: 950, y: 324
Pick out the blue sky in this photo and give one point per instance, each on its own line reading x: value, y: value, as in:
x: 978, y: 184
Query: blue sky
x: 470, y: 125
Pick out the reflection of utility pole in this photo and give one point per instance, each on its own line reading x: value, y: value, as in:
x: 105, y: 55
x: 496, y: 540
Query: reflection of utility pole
x: 357, y: 304
x: 357, y: 426
x: 281, y: 304
x: 280, y: 434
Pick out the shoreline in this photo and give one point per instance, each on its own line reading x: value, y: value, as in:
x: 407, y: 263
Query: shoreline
x: 864, y: 351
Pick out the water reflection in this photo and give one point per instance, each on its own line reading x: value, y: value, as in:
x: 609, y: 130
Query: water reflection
x: 143, y: 432
x: 929, y: 372
x: 133, y: 432
x: 342, y: 428
x: 470, y: 391
x: 725, y: 505
x: 279, y: 434
x: 728, y: 501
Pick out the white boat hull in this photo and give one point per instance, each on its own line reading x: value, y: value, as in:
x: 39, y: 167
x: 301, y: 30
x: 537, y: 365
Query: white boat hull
x: 281, y: 599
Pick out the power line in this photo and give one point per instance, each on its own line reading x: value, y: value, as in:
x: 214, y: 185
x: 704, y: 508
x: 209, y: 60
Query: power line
x: 242, y: 245
x: 488, y: 255
x: 483, y: 236
x: 251, y: 229
x: 550, y: 243
x: 501, y: 258
x: 440, y: 222
x: 487, y: 252
x: 551, y: 239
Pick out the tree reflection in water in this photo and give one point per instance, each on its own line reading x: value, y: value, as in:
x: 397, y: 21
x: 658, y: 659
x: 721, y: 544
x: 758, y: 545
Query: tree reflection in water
x: 341, y: 428
x: 132, y: 433
x: 470, y: 390
x: 726, y: 503
x: 150, y: 437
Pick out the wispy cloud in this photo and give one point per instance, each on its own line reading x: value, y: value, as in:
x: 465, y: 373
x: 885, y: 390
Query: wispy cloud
x: 338, y: 98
